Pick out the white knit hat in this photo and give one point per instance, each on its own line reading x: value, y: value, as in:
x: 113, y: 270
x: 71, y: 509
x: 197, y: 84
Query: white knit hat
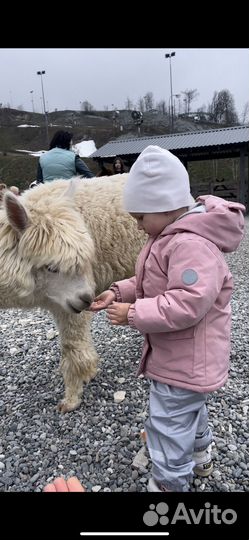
x: 157, y: 182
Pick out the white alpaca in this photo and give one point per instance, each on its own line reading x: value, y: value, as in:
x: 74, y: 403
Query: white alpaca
x: 60, y: 245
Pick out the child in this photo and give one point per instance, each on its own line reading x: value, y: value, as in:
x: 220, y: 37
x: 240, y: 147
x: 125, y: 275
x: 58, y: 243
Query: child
x: 180, y: 301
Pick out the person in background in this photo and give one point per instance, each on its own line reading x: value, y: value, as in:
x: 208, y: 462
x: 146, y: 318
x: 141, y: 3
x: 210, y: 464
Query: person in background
x: 15, y: 190
x: 118, y: 166
x: 179, y: 300
x: 60, y: 161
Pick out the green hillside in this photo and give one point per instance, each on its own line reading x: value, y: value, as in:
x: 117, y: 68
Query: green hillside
x: 18, y: 168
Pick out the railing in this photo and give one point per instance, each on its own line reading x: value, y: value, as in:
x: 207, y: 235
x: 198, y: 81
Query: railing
x: 225, y: 190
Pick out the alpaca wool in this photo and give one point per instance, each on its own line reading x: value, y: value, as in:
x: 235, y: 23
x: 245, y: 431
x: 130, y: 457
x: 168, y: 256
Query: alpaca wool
x: 157, y: 182
x: 60, y: 245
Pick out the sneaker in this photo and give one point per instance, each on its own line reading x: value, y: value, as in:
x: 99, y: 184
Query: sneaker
x: 154, y: 487
x: 203, y: 462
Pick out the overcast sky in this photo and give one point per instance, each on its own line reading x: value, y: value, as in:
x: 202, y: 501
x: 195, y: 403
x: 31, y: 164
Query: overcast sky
x: 106, y: 77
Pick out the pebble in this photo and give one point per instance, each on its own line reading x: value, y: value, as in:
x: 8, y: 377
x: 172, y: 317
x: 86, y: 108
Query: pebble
x: 100, y: 440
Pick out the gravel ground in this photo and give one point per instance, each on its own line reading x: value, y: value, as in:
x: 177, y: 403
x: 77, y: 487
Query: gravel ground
x: 100, y: 440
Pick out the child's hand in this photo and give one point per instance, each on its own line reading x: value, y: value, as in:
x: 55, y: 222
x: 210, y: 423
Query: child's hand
x: 102, y: 301
x: 117, y: 313
x: 60, y: 484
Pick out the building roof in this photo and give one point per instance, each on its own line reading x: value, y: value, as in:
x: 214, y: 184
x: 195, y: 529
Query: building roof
x: 176, y: 141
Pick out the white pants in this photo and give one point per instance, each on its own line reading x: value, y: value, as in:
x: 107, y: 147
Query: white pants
x: 177, y: 425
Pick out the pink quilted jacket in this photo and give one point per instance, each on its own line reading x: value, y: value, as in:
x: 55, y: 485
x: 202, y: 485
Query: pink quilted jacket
x: 181, y: 297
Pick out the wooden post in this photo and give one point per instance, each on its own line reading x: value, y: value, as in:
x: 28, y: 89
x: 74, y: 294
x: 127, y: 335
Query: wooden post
x: 242, y: 179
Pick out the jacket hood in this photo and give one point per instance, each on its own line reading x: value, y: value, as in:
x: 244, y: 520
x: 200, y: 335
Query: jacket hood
x: 221, y: 222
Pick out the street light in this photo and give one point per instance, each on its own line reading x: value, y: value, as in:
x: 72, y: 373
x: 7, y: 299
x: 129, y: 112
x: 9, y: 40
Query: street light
x: 32, y: 99
x: 178, y: 97
x: 44, y: 107
x: 11, y: 103
x: 169, y: 55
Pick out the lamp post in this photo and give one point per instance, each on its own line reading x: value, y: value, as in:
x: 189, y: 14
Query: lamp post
x: 185, y: 105
x: 178, y: 97
x: 44, y: 107
x: 32, y: 99
x: 11, y: 103
x: 169, y: 55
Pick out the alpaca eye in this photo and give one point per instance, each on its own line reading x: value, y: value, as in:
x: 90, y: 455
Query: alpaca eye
x: 52, y: 269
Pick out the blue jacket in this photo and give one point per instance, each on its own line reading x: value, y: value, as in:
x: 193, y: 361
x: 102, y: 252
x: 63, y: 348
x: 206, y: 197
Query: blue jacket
x: 61, y: 163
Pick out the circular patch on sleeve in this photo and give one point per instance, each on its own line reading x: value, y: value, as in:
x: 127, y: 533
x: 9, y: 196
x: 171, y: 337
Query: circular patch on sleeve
x: 189, y: 277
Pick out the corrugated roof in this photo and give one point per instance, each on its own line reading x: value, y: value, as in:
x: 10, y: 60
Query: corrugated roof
x: 177, y: 141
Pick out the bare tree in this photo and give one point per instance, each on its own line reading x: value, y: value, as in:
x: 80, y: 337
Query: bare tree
x: 222, y: 108
x: 86, y: 106
x: 190, y: 95
x: 161, y: 106
x: 149, y: 101
x: 245, y: 114
x: 140, y: 104
x: 128, y: 104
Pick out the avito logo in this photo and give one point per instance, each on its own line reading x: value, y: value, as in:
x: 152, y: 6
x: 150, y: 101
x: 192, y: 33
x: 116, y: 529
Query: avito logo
x: 209, y: 514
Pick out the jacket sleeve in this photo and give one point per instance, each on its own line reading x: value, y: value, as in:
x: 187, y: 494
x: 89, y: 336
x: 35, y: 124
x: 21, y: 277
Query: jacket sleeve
x: 39, y: 176
x: 82, y: 169
x: 125, y: 290
x: 196, y: 274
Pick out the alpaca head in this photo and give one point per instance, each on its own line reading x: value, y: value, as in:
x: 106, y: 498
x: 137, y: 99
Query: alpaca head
x: 46, y: 252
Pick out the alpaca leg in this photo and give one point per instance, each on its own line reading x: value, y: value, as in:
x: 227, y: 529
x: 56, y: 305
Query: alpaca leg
x: 78, y: 367
x: 79, y: 358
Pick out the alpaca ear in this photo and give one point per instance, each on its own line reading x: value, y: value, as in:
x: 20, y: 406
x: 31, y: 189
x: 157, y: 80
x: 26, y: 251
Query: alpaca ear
x: 73, y: 184
x: 16, y: 213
